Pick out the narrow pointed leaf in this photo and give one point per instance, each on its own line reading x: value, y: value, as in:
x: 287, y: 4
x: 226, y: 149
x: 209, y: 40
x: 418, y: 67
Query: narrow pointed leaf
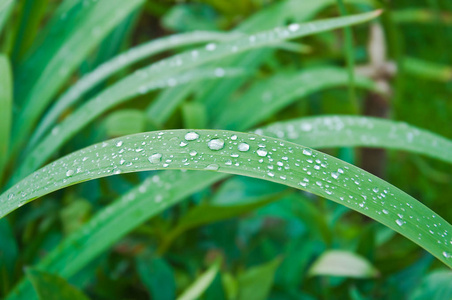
x: 165, y: 69
x: 250, y: 155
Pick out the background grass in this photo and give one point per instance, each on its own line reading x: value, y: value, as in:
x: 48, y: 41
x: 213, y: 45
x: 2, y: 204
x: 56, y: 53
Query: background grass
x: 74, y: 73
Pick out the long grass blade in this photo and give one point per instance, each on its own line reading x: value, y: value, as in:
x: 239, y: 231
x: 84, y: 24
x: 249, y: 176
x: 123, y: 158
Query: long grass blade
x: 250, y: 155
x: 123, y: 60
x: 5, y: 10
x: 279, y: 91
x: 352, y: 131
x: 6, y: 98
x: 98, y: 22
x: 161, y: 191
x: 132, y: 85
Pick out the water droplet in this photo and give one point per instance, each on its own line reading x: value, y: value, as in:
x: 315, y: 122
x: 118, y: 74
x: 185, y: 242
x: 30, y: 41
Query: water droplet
x: 191, y: 136
x: 243, y: 147
x: 234, y: 137
x: 183, y: 144
x: 193, y: 153
x: 213, y: 167
x: 294, y: 27
x: 447, y: 255
x: 69, y: 173
x: 155, y: 158
x: 375, y: 190
x: 119, y: 144
x: 307, y: 152
x: 399, y: 222
x: 211, y: 47
x: 334, y: 175
x: 216, y: 144
x: 261, y: 152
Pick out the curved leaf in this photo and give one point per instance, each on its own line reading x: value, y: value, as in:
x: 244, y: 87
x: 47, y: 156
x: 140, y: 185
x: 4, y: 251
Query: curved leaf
x: 107, y: 69
x: 350, y: 131
x: 165, y: 70
x: 250, y: 155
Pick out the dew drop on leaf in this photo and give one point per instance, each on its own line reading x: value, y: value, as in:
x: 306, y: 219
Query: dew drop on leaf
x: 216, y: 144
x: 261, y: 152
x: 243, y: 147
x: 155, y: 158
x: 213, y: 167
x: 307, y: 152
x: 191, y: 136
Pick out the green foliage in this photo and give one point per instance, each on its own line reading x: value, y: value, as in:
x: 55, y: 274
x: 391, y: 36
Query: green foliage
x: 115, y: 127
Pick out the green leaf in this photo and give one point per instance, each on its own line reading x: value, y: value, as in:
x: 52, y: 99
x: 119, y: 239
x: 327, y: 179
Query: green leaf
x: 436, y: 286
x: 113, y: 66
x: 244, y: 154
x: 5, y: 9
x: 349, y: 131
x: 49, y: 286
x: 157, y: 276
x: 52, y: 68
x: 198, y: 287
x: 151, y: 197
x: 257, y: 282
x: 126, y: 89
x: 277, y: 92
x: 148, y: 199
x: 126, y: 121
x: 165, y: 70
x: 6, y: 95
x: 343, y: 264
x: 427, y: 70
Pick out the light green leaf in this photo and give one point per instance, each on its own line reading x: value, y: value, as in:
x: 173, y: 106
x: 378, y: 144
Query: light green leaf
x: 275, y: 93
x: 126, y: 89
x: 98, y: 19
x: 53, y: 287
x: 152, y: 196
x: 198, y: 287
x: 349, y: 131
x: 244, y: 154
x: 257, y: 282
x: 426, y: 69
x: 342, y: 263
x: 5, y: 9
x: 126, y: 121
x: 436, y: 286
x: 6, y: 99
x: 114, y: 65
x: 145, y: 79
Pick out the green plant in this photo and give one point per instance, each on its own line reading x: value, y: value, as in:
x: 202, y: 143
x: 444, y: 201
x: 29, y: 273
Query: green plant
x: 237, y: 81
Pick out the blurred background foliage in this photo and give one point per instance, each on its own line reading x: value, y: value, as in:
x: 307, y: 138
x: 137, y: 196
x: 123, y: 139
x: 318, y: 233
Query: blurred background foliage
x: 243, y: 238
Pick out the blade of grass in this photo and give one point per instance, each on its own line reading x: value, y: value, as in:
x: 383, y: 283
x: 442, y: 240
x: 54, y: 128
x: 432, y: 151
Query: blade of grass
x: 127, y: 88
x: 6, y: 99
x: 53, y: 287
x: 250, y: 155
x: 351, y: 131
x: 116, y: 64
x: 159, y: 192
x: 131, y: 86
x: 31, y: 15
x: 100, y: 20
x: 279, y: 91
x: 198, y: 287
x: 5, y: 10
x: 348, y: 34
